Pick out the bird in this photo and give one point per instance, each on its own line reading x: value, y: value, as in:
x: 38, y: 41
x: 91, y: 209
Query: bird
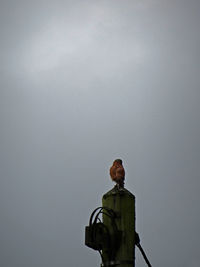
x: 117, y: 173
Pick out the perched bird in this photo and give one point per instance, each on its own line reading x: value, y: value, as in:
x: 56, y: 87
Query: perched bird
x: 117, y: 172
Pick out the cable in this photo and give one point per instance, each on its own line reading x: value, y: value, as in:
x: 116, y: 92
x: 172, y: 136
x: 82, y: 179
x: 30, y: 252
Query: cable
x: 95, y: 224
x: 137, y: 239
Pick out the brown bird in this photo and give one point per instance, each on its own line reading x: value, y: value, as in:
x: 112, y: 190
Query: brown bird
x: 117, y: 172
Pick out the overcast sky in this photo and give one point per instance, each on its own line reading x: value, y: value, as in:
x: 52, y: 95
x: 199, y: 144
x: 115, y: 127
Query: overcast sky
x: 83, y: 83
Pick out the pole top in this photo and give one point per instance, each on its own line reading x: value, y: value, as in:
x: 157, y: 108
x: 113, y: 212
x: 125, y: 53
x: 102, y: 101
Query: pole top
x: 116, y: 190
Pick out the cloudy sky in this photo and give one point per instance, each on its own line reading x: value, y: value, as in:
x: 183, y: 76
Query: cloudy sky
x: 83, y: 83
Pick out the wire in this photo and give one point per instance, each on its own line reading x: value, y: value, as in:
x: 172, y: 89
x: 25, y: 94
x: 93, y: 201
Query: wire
x: 95, y: 223
x: 143, y: 254
x: 111, y: 214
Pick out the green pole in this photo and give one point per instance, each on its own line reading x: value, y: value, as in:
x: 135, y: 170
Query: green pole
x: 122, y: 202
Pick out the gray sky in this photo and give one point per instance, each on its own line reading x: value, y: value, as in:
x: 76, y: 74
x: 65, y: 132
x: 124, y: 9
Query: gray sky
x: 83, y: 83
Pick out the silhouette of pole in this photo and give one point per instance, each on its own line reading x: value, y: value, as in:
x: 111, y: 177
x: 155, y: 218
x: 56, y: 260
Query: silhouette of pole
x: 122, y: 202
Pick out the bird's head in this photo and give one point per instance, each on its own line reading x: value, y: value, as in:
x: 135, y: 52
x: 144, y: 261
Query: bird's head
x: 117, y: 162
